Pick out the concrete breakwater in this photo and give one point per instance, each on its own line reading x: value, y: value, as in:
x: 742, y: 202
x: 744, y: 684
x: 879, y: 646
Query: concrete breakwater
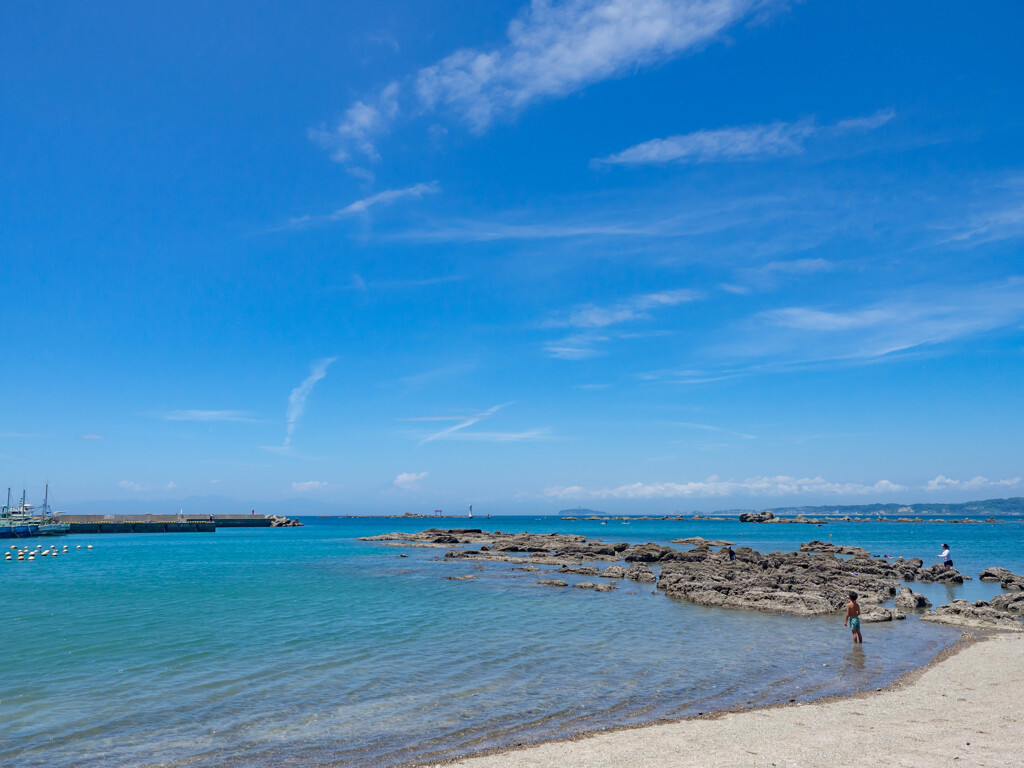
x: 170, y: 523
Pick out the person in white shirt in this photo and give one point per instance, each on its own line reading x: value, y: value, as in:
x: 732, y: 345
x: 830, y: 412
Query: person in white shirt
x: 947, y: 561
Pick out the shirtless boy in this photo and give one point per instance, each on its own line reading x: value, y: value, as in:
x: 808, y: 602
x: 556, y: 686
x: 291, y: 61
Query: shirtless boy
x: 853, y: 618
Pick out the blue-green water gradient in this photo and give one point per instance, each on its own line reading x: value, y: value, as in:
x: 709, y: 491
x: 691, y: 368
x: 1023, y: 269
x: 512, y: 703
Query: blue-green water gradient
x: 304, y: 646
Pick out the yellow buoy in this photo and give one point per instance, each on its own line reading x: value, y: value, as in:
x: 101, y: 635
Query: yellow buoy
x: 78, y: 547
x: 31, y: 557
x: 89, y: 546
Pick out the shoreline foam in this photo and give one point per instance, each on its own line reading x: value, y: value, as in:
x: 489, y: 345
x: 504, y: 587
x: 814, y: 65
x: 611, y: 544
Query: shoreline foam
x: 962, y: 708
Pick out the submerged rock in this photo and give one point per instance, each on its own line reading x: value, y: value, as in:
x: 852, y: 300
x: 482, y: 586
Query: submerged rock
x: 553, y: 583
x: 467, y: 577
x: 593, y: 586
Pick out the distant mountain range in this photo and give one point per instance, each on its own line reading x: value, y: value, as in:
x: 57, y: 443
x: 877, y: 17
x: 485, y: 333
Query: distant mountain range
x: 581, y: 512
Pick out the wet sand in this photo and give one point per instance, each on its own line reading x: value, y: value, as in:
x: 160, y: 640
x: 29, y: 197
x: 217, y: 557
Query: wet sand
x: 963, y: 709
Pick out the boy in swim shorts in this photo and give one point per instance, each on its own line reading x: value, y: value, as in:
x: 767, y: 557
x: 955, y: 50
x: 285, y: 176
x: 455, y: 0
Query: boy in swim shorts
x: 853, y: 618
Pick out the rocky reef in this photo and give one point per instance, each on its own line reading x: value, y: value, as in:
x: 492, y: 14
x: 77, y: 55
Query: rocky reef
x: 977, y: 615
x: 814, y: 581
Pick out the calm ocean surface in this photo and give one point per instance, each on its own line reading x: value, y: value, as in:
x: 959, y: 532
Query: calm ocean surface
x: 303, y: 646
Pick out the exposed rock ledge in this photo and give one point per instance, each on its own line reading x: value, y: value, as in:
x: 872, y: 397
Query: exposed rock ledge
x: 1006, y: 579
x: 977, y: 615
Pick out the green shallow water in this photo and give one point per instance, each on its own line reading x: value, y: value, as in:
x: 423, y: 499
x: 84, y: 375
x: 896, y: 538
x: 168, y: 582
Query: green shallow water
x: 300, y: 647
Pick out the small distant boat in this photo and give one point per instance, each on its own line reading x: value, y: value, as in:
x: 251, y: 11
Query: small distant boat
x: 26, y: 520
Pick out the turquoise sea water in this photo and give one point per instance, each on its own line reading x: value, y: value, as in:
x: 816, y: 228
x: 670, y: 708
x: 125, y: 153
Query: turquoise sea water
x: 303, y: 646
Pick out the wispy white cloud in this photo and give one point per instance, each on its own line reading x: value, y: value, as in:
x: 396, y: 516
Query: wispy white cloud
x: 552, y: 50
x: 501, y: 437
x: 779, y: 485
x: 308, y: 486
x: 441, y: 373
x: 360, y: 207
x: 1003, y: 223
x: 463, y: 423
x: 460, y: 430
x: 201, y: 415
x: 634, y: 308
x: 769, y: 275
x: 297, y: 404
x: 407, y: 481
x: 752, y: 142
x: 909, y: 319
x: 130, y: 485
x: 355, y: 133
x: 594, y: 320
x: 942, y: 483
x: 556, y: 49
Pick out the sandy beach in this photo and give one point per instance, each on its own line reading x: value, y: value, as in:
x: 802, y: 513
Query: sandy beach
x: 963, y: 709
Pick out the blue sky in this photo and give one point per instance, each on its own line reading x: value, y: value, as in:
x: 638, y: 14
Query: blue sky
x: 638, y: 256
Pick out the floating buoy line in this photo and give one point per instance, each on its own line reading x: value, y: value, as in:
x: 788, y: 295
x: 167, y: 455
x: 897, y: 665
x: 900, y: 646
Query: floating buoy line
x: 21, y: 554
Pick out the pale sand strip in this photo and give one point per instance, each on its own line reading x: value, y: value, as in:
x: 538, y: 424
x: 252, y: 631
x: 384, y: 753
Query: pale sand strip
x: 962, y: 710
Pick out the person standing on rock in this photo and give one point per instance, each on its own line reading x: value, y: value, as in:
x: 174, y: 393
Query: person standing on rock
x: 947, y: 560
x: 853, y: 618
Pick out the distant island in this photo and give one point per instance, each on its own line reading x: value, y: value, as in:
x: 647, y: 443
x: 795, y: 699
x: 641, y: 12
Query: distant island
x: 1012, y: 506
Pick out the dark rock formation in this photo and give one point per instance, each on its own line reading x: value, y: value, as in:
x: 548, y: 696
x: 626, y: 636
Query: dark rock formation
x: 839, y: 549
x: 649, y: 553
x: 908, y: 600
x: 795, y: 583
x: 1006, y: 579
x: 467, y: 577
x: 553, y: 583
x: 640, y: 572
x: 941, y: 574
x: 756, y: 517
x: 280, y: 521
x: 1013, y: 602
